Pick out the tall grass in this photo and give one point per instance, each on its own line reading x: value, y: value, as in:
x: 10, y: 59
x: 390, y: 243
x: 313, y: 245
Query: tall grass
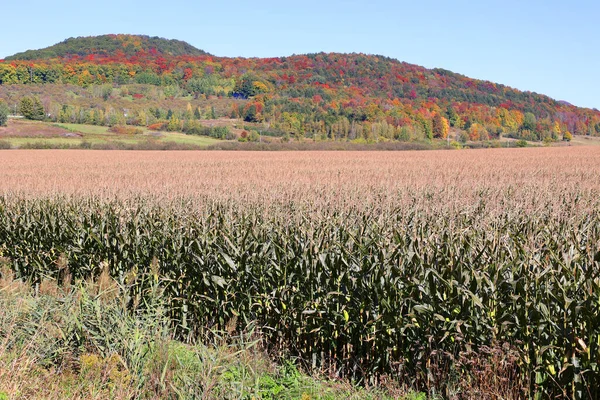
x: 82, y: 341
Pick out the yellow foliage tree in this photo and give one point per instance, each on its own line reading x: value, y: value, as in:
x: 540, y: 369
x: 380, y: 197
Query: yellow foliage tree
x: 441, y: 126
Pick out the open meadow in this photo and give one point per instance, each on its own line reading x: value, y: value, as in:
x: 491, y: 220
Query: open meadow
x: 25, y: 134
x: 463, y: 274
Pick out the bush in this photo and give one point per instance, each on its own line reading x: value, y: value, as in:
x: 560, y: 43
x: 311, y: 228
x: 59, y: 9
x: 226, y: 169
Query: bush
x: 158, y: 126
x: 125, y: 130
x: 254, y: 136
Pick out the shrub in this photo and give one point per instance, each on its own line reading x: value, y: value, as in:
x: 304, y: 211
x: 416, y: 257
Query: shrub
x: 125, y: 130
x: 521, y: 143
x: 158, y: 126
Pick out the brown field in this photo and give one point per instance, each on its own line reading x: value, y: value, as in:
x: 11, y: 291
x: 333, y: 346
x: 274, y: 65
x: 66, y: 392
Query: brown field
x: 297, y: 175
x: 32, y: 129
x: 499, y: 180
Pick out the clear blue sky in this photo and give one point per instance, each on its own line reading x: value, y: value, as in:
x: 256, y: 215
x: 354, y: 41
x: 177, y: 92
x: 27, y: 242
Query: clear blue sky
x: 550, y: 47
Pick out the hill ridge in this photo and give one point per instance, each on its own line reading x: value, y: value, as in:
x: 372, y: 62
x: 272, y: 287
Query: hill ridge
x: 129, y: 44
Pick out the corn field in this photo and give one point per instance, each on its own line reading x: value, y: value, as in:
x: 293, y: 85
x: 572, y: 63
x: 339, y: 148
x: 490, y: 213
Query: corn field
x: 364, y: 264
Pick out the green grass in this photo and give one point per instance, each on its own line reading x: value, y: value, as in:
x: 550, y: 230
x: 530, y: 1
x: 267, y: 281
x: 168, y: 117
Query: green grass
x: 176, y: 137
x: 102, y: 132
x: 90, y: 129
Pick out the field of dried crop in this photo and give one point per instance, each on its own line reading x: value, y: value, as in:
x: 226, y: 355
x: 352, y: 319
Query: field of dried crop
x: 414, y: 265
x: 361, y: 177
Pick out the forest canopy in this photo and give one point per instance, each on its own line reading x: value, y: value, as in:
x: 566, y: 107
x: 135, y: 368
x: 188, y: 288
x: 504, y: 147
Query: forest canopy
x: 327, y: 95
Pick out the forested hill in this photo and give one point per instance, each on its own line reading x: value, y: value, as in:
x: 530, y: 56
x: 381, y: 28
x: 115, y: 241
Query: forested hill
x: 129, y: 45
x: 334, y: 96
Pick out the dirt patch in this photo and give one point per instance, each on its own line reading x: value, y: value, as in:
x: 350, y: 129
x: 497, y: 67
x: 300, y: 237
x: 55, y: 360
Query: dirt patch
x: 33, y: 129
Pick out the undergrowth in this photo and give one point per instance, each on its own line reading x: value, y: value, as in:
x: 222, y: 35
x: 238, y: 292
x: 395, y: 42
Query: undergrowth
x: 80, y: 340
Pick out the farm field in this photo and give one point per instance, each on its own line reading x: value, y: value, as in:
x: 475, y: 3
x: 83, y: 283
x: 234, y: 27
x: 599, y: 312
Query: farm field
x: 472, y: 273
x: 33, y: 134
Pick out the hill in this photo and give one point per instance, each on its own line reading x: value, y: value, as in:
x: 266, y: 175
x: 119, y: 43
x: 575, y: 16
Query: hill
x: 109, y: 45
x: 325, y: 96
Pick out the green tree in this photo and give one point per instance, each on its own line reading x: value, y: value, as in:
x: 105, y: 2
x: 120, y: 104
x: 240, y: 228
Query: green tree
x: 453, y: 117
x: 250, y: 85
x: 32, y: 108
x: 251, y: 115
x: 529, y: 122
x: 174, y: 124
x: 3, y: 113
x: 427, y: 126
x: 26, y: 107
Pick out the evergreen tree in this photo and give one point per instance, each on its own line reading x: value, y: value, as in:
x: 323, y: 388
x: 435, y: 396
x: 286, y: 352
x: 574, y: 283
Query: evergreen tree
x: 32, y: 108
x: 26, y: 107
x: 39, y: 113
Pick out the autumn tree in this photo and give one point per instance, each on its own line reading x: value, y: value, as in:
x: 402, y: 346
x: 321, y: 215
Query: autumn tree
x: 440, y: 126
x: 508, y: 121
x: 556, y: 131
x: 478, y: 132
x: 249, y: 86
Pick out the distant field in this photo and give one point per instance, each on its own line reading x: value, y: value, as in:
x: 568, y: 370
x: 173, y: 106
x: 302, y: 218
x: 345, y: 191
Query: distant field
x: 23, y: 134
x: 300, y: 174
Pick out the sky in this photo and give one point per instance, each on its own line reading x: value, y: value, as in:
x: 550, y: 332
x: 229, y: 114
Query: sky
x: 550, y: 47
